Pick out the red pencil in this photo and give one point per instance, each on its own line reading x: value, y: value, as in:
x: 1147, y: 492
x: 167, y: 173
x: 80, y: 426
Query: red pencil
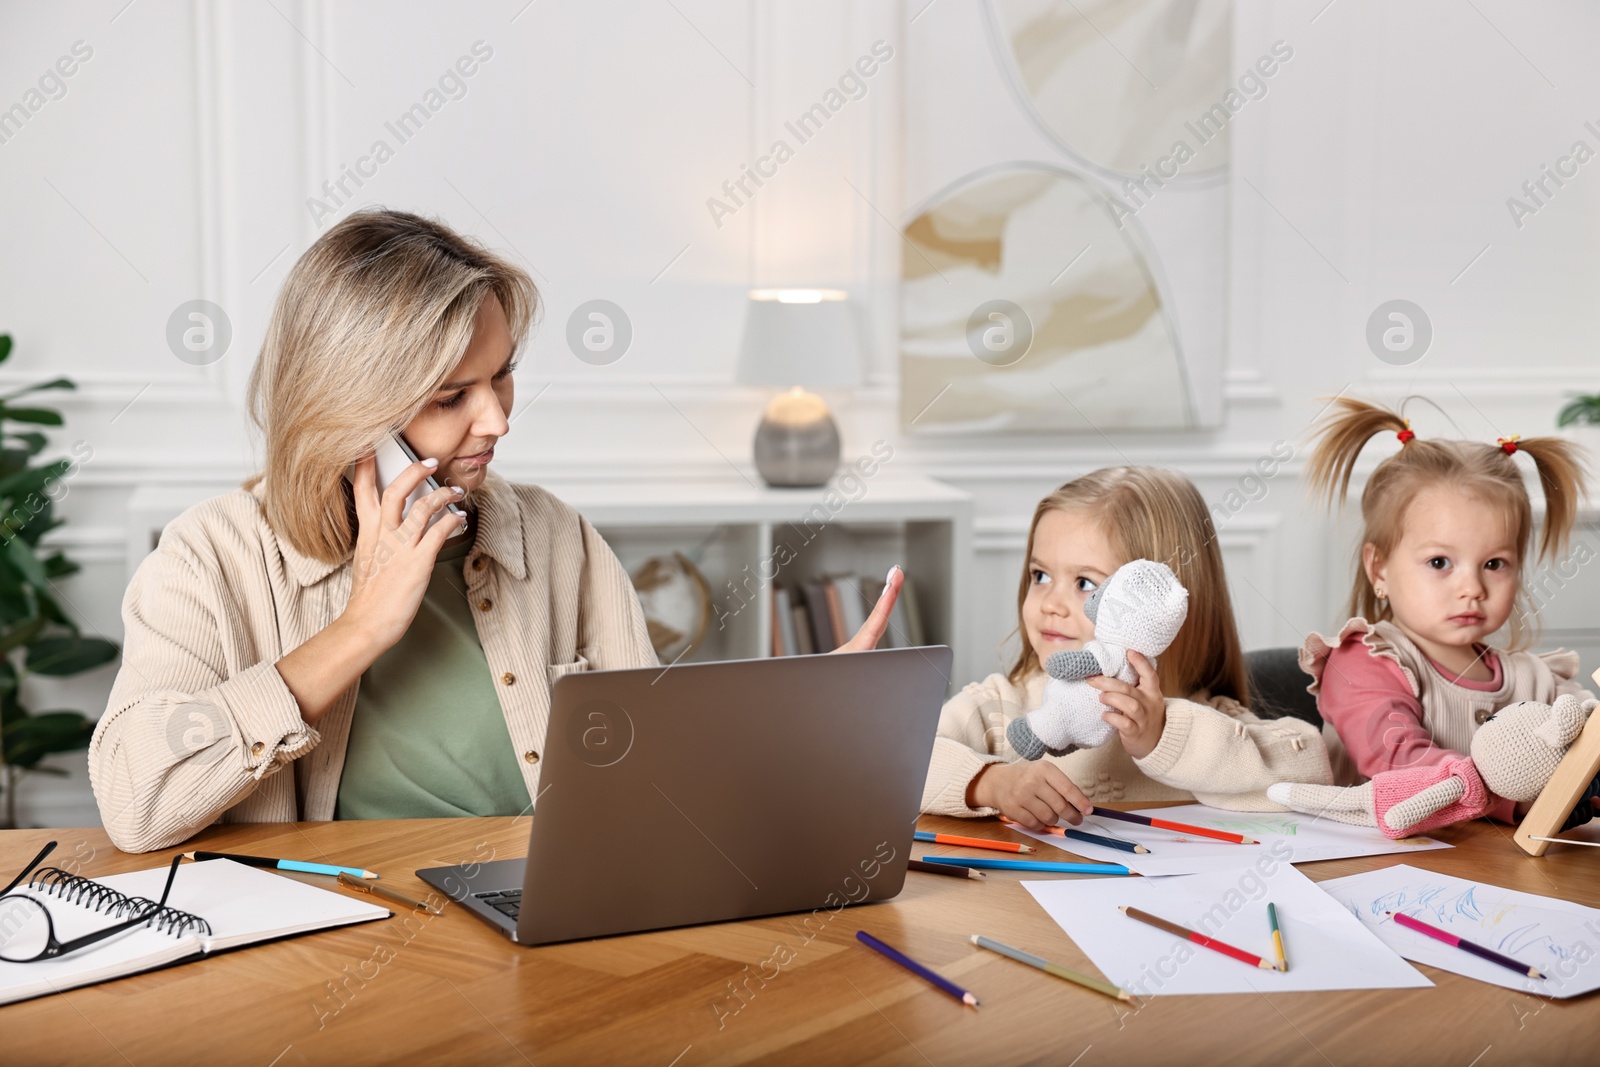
x: 973, y: 842
x: 1181, y: 827
x: 1198, y: 938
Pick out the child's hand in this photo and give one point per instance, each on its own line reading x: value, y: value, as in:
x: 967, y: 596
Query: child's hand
x: 1035, y: 793
x: 1138, y: 714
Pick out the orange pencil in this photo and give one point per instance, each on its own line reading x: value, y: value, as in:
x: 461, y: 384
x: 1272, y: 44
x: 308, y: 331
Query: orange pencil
x: 973, y: 842
x: 1180, y: 827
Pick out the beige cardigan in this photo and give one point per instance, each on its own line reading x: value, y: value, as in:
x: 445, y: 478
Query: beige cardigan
x: 200, y: 723
x: 1218, y: 753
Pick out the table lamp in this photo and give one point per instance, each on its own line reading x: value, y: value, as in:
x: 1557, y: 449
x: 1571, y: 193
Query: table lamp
x: 798, y: 339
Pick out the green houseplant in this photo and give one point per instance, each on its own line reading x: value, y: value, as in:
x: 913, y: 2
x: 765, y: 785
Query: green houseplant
x: 1582, y: 409
x: 36, y: 636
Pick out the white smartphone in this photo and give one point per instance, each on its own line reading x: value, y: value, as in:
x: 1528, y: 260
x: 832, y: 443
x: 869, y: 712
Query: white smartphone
x: 394, y: 456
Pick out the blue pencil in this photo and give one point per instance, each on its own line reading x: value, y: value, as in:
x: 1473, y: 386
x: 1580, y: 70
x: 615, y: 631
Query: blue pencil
x: 282, y: 865
x: 916, y: 968
x: 1031, y: 865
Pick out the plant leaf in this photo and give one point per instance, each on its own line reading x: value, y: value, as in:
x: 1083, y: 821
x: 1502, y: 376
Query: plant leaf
x: 21, y: 634
x: 49, y: 608
x: 32, y: 479
x: 54, y: 383
x: 5, y: 346
x: 42, y: 524
x: 32, y: 440
x: 61, y: 656
x: 15, y: 602
x: 29, y: 740
x: 20, y: 553
x: 40, y: 416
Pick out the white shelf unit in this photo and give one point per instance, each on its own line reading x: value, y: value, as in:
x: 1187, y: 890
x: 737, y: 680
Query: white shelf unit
x: 729, y: 528
x: 748, y: 539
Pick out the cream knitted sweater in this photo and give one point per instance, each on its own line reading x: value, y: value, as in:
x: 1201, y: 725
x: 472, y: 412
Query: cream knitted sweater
x: 1216, y: 752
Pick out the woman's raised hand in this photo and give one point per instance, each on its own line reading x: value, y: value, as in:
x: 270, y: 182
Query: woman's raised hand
x: 394, y: 558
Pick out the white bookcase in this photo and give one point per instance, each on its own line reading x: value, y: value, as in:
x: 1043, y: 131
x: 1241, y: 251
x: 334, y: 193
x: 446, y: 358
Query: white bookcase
x: 747, y: 540
x: 737, y: 534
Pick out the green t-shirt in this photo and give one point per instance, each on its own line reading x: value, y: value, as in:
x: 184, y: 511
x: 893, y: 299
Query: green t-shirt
x: 429, y: 738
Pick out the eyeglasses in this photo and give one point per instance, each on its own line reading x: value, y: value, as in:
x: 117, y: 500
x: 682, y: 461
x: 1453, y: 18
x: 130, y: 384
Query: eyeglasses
x: 28, y: 934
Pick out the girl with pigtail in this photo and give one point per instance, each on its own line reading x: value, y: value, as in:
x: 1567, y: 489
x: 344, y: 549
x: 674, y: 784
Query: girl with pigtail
x: 1448, y: 531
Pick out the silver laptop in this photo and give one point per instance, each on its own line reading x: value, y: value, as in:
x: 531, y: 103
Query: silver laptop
x: 713, y: 791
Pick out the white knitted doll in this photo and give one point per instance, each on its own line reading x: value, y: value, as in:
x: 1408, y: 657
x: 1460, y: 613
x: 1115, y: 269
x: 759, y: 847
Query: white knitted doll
x: 1140, y: 608
x: 1514, y: 754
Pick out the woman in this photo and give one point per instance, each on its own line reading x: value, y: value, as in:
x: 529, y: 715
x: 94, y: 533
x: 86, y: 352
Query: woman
x: 294, y: 651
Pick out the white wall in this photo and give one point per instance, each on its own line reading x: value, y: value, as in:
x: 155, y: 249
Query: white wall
x: 180, y: 159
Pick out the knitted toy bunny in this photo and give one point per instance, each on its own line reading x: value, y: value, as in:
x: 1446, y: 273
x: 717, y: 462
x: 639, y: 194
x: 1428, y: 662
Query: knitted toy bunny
x: 1140, y: 608
x: 1514, y: 754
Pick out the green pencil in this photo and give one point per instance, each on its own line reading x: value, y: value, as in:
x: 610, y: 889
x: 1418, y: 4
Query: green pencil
x: 1277, y: 936
x: 1087, y: 981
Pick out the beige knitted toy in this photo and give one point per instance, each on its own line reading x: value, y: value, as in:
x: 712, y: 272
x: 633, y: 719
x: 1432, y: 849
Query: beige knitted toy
x: 1514, y: 754
x: 1140, y: 608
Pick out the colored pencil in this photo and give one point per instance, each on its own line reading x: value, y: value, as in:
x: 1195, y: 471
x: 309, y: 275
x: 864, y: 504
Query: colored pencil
x: 972, y: 842
x: 916, y: 968
x: 1087, y: 981
x: 1084, y: 835
x: 1277, y: 936
x: 282, y: 865
x: 1198, y: 938
x: 1462, y: 943
x: 1032, y: 865
x: 1181, y: 827
x: 945, y: 868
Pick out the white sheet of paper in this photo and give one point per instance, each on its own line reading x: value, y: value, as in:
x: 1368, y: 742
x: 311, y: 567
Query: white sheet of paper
x: 1308, y: 838
x: 1559, y: 937
x: 1326, y: 946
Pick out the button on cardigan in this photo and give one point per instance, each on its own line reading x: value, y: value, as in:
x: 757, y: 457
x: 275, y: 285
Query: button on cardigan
x: 201, y: 728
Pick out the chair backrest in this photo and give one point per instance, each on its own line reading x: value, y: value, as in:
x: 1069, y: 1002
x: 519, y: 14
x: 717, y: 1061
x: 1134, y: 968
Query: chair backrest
x: 1278, y: 685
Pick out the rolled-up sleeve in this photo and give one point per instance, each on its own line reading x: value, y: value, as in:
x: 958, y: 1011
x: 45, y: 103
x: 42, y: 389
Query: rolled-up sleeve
x: 971, y: 727
x: 1227, y: 757
x: 185, y: 736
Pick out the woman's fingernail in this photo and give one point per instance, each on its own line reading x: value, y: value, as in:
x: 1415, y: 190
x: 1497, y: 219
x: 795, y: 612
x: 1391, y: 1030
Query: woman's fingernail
x: 458, y: 491
x: 430, y: 462
x: 890, y: 576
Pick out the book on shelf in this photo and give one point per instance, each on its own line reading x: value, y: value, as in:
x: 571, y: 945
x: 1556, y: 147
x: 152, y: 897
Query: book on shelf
x: 774, y: 632
x: 784, y: 641
x: 835, y: 598
x: 214, y: 905
x: 819, y: 615
x: 852, y: 611
x: 803, y: 644
x: 822, y: 636
x: 908, y: 615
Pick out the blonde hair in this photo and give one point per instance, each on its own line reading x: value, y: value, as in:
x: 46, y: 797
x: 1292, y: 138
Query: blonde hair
x: 369, y: 323
x: 1483, y: 470
x: 1157, y: 514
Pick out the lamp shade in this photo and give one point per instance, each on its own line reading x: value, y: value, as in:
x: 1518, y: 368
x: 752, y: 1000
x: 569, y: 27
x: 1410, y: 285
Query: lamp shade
x: 804, y: 337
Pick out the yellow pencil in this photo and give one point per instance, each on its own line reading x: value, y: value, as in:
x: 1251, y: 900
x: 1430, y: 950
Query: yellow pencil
x: 1277, y: 936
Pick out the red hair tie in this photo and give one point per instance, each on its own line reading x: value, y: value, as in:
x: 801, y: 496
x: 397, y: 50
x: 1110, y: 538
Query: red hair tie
x: 1509, y: 443
x: 1405, y: 434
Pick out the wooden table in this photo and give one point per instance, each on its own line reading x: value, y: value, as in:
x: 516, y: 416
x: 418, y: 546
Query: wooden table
x: 451, y: 990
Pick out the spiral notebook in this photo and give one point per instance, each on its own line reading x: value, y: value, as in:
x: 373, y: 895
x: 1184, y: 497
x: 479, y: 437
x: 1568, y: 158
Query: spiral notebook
x: 214, y: 905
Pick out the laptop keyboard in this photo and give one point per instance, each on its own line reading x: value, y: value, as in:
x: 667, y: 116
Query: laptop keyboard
x: 507, y: 902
